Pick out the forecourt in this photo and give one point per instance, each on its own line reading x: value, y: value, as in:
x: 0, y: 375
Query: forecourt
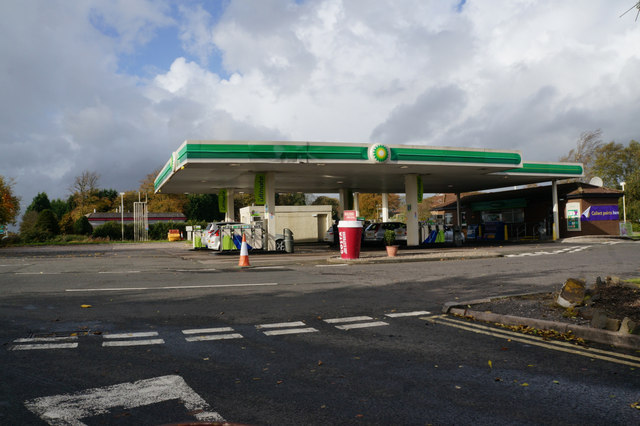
x: 267, y: 167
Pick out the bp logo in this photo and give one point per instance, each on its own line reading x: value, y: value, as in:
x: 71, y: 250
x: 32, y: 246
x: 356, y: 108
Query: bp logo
x: 379, y: 153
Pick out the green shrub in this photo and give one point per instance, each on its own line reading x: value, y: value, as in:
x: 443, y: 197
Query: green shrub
x: 82, y: 226
x: 113, y: 231
x: 35, y: 235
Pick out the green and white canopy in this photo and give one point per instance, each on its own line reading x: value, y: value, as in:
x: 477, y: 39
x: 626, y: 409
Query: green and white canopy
x: 322, y: 167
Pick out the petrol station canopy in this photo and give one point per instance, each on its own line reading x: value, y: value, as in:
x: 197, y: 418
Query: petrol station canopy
x: 201, y: 166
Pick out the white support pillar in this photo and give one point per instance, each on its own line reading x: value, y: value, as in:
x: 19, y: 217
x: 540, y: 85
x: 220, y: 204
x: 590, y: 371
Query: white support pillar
x: 344, y: 202
x: 229, y: 216
x: 556, y: 210
x: 458, y: 217
x: 356, y: 203
x: 411, y: 194
x: 385, y: 207
x: 270, y: 210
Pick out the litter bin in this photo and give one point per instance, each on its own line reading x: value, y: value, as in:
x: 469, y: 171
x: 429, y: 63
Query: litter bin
x: 288, y: 240
x: 350, y: 232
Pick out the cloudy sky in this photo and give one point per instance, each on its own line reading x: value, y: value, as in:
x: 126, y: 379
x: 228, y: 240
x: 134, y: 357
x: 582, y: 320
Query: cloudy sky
x: 115, y: 86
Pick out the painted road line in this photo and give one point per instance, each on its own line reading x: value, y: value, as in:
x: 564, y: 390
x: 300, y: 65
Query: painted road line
x: 144, y: 342
x: 169, y: 287
x: 37, y: 273
x: 203, y: 338
x: 334, y: 265
x: 347, y: 319
x: 45, y: 339
x: 282, y: 325
x: 207, y: 330
x: 70, y: 409
x: 290, y: 331
x: 31, y: 347
x: 407, y: 314
x: 555, y: 342
x: 37, y: 343
x: 130, y: 335
x: 361, y: 325
x: 119, y: 272
x: 281, y: 328
x: 205, y: 334
x: 538, y: 341
x: 134, y: 339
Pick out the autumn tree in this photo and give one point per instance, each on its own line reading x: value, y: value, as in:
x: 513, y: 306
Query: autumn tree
x: 616, y: 163
x: 371, y: 205
x: 9, y: 203
x: 83, y: 188
x: 323, y: 200
x: 585, y: 152
x: 158, y: 202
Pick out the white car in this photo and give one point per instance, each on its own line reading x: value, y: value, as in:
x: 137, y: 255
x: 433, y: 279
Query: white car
x: 374, y: 233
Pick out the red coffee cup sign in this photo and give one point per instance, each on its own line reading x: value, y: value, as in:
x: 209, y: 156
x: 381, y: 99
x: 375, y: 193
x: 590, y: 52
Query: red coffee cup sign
x: 350, y: 232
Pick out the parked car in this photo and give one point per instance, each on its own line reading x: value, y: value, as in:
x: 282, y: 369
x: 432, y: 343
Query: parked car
x: 374, y: 233
x: 328, y: 236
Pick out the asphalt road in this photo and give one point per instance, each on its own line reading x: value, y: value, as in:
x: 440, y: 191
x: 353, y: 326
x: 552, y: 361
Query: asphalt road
x: 157, y: 334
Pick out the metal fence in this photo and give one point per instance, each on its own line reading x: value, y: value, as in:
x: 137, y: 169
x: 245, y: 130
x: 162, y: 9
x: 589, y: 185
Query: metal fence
x: 140, y: 221
x: 231, y: 236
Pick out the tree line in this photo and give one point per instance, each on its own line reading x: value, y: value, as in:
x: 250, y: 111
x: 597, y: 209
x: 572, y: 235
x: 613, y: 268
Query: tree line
x: 614, y: 163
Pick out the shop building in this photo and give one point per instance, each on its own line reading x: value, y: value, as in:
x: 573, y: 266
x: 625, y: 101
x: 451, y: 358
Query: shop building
x: 527, y: 213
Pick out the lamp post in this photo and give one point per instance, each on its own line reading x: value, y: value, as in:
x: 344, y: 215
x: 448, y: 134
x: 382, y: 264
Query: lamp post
x: 122, y: 214
x: 624, y: 207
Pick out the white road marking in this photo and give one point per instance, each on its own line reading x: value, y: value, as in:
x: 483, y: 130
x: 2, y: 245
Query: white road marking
x: 336, y: 265
x: 134, y: 342
x: 407, y: 314
x: 290, y: 331
x: 214, y: 337
x: 347, y: 319
x: 44, y: 346
x: 361, y: 325
x: 537, y: 341
x: 119, y: 272
x: 130, y: 335
x: 282, y: 325
x: 45, y: 339
x: 69, y: 409
x: 169, y: 287
x: 207, y: 330
x: 37, y: 273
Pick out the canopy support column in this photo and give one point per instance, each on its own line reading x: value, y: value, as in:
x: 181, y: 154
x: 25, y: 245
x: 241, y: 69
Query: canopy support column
x: 411, y: 194
x: 270, y: 209
x: 356, y: 203
x: 458, y: 217
x: 556, y: 210
x: 385, y: 207
x: 229, y: 216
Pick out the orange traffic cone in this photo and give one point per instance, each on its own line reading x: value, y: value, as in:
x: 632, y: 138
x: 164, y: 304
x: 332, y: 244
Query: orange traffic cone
x: 244, y: 253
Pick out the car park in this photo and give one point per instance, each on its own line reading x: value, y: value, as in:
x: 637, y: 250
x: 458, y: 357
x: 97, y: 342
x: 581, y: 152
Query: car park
x: 374, y: 233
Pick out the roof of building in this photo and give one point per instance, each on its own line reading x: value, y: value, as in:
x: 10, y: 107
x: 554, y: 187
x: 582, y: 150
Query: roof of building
x: 324, y: 167
x: 569, y: 190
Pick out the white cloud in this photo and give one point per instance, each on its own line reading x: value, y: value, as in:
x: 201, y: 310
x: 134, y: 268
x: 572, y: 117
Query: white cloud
x: 529, y: 75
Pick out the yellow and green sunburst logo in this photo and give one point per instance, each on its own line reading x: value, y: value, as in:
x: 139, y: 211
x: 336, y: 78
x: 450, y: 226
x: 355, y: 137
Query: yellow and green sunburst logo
x: 379, y: 153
